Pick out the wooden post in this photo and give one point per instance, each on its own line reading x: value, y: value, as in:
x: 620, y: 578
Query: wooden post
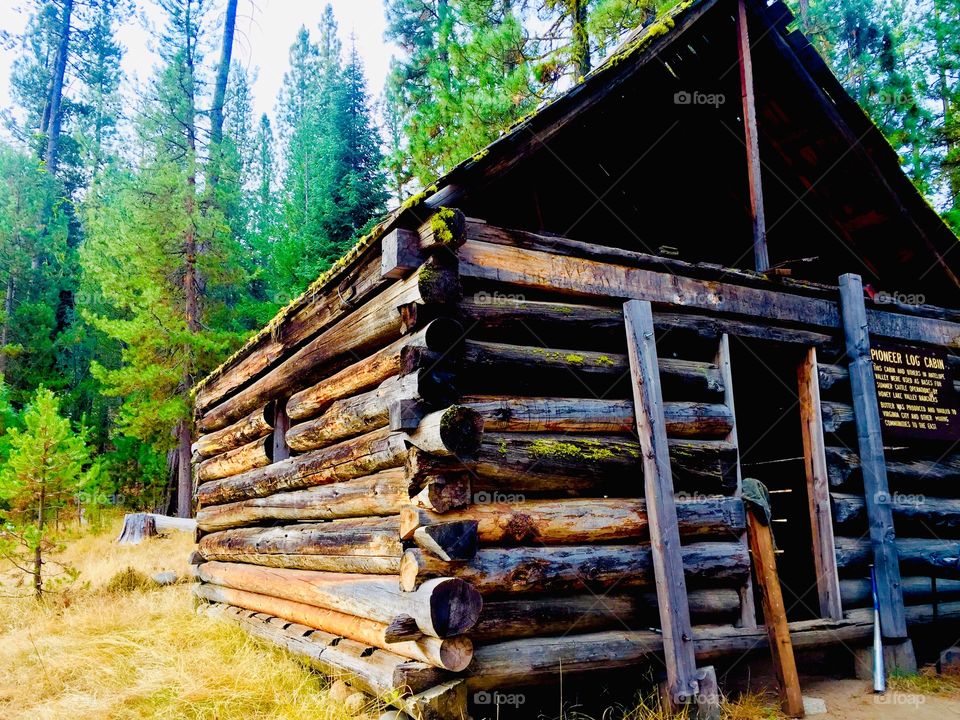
x: 748, y: 610
x: 818, y: 487
x: 775, y: 615
x: 761, y: 257
x: 678, y: 647
x: 872, y: 462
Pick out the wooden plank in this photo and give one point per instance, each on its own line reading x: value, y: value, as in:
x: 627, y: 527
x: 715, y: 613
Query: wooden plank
x: 754, y: 180
x: 661, y: 508
x: 872, y: 461
x: 748, y: 610
x: 818, y: 487
x: 589, y: 278
x: 775, y: 615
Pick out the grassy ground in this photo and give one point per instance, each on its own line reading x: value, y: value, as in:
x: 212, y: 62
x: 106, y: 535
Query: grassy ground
x: 112, y: 647
x: 91, y: 652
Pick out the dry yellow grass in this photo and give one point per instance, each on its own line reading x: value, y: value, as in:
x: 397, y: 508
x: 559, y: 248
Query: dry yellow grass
x: 145, y: 654
x: 141, y: 654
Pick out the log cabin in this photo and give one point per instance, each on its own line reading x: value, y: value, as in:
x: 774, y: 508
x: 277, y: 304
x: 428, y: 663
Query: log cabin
x: 505, y: 436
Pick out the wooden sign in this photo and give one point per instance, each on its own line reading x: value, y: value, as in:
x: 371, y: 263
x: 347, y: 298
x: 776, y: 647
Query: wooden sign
x: 915, y: 392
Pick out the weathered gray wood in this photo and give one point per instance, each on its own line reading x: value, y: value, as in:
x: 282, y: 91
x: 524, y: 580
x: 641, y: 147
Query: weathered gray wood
x: 449, y: 540
x: 934, y: 517
x: 818, y: 487
x: 406, y: 355
x: 748, y: 609
x: 456, y: 431
x: 356, y: 457
x: 917, y: 557
x: 499, y: 365
x: 400, y: 254
x: 281, y: 424
x: 254, y: 426
x: 452, y: 654
x: 580, y: 520
x: 379, y: 673
x: 761, y: 257
x: 441, y: 608
x: 916, y: 590
x: 598, y: 464
x: 543, y: 616
x: 661, y: 509
x: 503, y: 413
x: 369, y: 327
x: 873, y: 464
x: 576, y: 568
x: 383, y: 493
x: 936, y: 476
x: 589, y: 278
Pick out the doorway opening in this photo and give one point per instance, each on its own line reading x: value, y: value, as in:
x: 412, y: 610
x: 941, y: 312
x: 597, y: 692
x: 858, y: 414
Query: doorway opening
x: 771, y: 450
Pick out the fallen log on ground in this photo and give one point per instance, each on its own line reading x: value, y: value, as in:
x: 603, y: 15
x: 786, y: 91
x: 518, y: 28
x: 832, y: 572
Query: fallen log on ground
x: 383, y: 493
x: 449, y: 654
x: 579, y: 521
x: 441, y: 607
x: 574, y: 568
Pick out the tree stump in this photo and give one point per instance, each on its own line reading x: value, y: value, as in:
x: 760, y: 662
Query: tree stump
x: 136, y: 527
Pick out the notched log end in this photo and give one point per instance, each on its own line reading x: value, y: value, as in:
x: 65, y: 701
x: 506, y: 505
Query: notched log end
x: 461, y: 430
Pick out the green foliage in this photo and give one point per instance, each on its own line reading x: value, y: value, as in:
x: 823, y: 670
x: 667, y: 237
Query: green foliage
x: 43, y: 473
x: 333, y: 185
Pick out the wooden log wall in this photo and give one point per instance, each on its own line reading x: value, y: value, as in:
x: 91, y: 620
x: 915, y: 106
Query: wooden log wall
x: 442, y: 469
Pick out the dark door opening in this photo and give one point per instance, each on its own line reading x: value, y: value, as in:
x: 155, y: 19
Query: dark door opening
x: 771, y: 450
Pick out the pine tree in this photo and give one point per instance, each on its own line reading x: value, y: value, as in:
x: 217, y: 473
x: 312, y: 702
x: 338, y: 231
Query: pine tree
x: 333, y: 184
x: 43, y: 471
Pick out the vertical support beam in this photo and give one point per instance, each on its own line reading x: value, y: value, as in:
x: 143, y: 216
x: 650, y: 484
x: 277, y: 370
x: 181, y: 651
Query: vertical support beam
x: 748, y: 610
x: 872, y: 462
x: 760, y: 254
x: 281, y: 423
x: 775, y: 614
x: 818, y: 488
x: 678, y: 649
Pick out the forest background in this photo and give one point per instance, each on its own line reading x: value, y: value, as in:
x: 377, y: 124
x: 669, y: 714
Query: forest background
x: 141, y: 243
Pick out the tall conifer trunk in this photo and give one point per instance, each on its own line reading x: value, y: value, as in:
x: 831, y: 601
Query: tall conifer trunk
x: 56, y: 88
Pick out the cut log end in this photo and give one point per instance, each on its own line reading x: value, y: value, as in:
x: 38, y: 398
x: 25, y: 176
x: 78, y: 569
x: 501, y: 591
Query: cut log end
x: 461, y: 430
x: 455, y: 605
x: 456, y: 540
x: 456, y: 653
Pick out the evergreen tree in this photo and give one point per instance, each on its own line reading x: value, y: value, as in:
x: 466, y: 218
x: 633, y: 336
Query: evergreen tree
x: 43, y: 472
x: 333, y: 184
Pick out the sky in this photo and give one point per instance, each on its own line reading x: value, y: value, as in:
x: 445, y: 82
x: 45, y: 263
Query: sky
x: 265, y: 31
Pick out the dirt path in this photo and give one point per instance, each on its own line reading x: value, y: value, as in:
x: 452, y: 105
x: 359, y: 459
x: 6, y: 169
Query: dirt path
x: 853, y: 700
